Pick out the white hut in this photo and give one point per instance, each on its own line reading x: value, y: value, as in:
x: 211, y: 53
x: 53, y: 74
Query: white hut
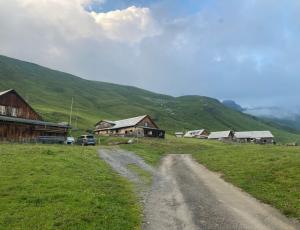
x: 200, y: 133
x: 260, y: 137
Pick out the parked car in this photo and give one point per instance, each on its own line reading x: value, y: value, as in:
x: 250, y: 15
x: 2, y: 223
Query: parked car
x: 86, y: 140
x: 70, y: 140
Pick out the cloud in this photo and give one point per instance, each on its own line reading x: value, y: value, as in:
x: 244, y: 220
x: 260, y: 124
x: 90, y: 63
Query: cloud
x: 242, y: 50
x: 129, y: 25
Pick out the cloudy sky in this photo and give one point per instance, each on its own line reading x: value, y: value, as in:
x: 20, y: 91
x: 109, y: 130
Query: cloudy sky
x: 246, y: 50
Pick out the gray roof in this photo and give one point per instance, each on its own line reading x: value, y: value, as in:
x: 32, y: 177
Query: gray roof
x: 31, y: 122
x: 130, y: 122
x: 193, y: 133
x: 219, y: 135
x: 253, y: 134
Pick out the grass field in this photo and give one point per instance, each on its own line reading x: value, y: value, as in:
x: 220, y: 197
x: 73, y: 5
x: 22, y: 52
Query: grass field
x: 63, y: 187
x: 269, y: 173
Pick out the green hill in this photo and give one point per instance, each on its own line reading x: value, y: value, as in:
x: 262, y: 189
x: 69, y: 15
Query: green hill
x: 50, y: 93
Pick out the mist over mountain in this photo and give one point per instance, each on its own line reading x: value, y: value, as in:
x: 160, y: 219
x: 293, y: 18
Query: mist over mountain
x: 233, y: 105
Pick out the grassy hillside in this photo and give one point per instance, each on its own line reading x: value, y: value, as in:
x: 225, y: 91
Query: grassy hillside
x: 50, y: 93
x: 269, y: 173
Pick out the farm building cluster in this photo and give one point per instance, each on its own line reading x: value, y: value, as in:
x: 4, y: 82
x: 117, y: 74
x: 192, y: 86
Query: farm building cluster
x: 19, y: 122
x: 258, y: 137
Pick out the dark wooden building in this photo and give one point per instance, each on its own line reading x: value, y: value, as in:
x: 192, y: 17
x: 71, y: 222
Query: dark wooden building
x: 142, y: 126
x: 19, y: 122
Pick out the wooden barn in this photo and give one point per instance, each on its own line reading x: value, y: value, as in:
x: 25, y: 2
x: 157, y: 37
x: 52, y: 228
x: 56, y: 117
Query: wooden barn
x: 142, y: 126
x: 19, y: 122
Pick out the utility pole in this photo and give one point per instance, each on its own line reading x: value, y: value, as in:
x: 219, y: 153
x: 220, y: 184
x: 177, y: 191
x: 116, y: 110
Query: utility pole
x: 71, y: 111
x: 76, y: 124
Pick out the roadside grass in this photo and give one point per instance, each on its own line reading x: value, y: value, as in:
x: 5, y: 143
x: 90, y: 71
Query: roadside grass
x: 144, y: 175
x: 63, y: 187
x: 269, y: 173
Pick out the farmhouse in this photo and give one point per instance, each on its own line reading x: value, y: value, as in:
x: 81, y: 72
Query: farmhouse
x: 222, y: 135
x: 20, y: 123
x: 259, y: 137
x: 142, y: 126
x: 201, y: 133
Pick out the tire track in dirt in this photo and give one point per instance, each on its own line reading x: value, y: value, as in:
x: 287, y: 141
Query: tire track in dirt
x: 185, y: 195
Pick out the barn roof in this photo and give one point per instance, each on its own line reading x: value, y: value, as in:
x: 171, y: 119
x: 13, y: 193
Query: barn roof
x: 32, y: 122
x: 221, y: 134
x: 254, y: 134
x: 6, y: 91
x: 192, y: 133
x: 127, y: 122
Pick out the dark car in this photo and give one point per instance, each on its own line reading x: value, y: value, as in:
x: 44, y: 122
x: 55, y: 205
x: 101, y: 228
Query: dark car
x: 86, y: 140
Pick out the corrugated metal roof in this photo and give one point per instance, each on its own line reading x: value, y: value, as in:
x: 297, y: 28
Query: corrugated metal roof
x: 32, y: 122
x: 253, y: 134
x: 127, y: 122
x: 193, y: 133
x: 219, y: 135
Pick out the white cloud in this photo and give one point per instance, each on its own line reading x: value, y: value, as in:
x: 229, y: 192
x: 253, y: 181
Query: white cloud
x: 70, y: 19
x: 129, y: 25
x: 222, y: 51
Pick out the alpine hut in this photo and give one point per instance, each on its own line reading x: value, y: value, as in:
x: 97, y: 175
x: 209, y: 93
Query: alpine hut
x: 200, y: 133
x: 141, y: 126
x: 259, y: 137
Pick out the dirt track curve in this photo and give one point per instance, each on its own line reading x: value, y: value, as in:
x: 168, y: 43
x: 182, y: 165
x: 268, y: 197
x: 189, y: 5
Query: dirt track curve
x: 185, y: 195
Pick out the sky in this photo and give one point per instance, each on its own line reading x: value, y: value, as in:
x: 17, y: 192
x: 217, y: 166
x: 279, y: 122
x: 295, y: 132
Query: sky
x: 245, y: 50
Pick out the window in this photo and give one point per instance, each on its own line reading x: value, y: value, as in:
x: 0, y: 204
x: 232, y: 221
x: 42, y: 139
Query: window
x: 13, y: 112
x: 146, y: 124
x: 2, y: 110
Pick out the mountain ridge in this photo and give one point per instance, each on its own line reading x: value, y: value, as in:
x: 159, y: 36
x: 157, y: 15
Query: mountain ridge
x: 50, y: 92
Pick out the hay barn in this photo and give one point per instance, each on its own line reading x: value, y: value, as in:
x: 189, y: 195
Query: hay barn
x: 19, y: 122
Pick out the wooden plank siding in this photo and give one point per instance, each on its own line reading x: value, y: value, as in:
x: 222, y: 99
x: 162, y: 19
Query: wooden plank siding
x: 19, y: 122
x: 24, y: 110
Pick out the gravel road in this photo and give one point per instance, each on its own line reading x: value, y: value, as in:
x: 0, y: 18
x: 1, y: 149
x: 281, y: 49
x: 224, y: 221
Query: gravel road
x: 185, y: 195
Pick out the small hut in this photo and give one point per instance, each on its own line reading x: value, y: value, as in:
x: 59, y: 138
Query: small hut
x: 259, y: 137
x: 200, y: 133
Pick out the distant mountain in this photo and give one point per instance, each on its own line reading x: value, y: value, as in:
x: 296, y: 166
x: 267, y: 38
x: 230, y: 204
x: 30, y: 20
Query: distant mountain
x: 50, y: 92
x: 279, y: 116
x: 233, y: 105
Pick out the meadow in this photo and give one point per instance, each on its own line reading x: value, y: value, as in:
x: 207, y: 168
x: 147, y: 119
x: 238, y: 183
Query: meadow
x: 63, y: 187
x: 70, y: 187
x: 269, y: 173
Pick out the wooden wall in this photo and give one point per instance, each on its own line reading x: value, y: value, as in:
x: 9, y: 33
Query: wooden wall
x: 13, y: 100
x: 14, y: 132
x: 147, y: 122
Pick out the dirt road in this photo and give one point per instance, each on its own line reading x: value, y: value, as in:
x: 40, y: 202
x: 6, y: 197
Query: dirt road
x: 185, y: 195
